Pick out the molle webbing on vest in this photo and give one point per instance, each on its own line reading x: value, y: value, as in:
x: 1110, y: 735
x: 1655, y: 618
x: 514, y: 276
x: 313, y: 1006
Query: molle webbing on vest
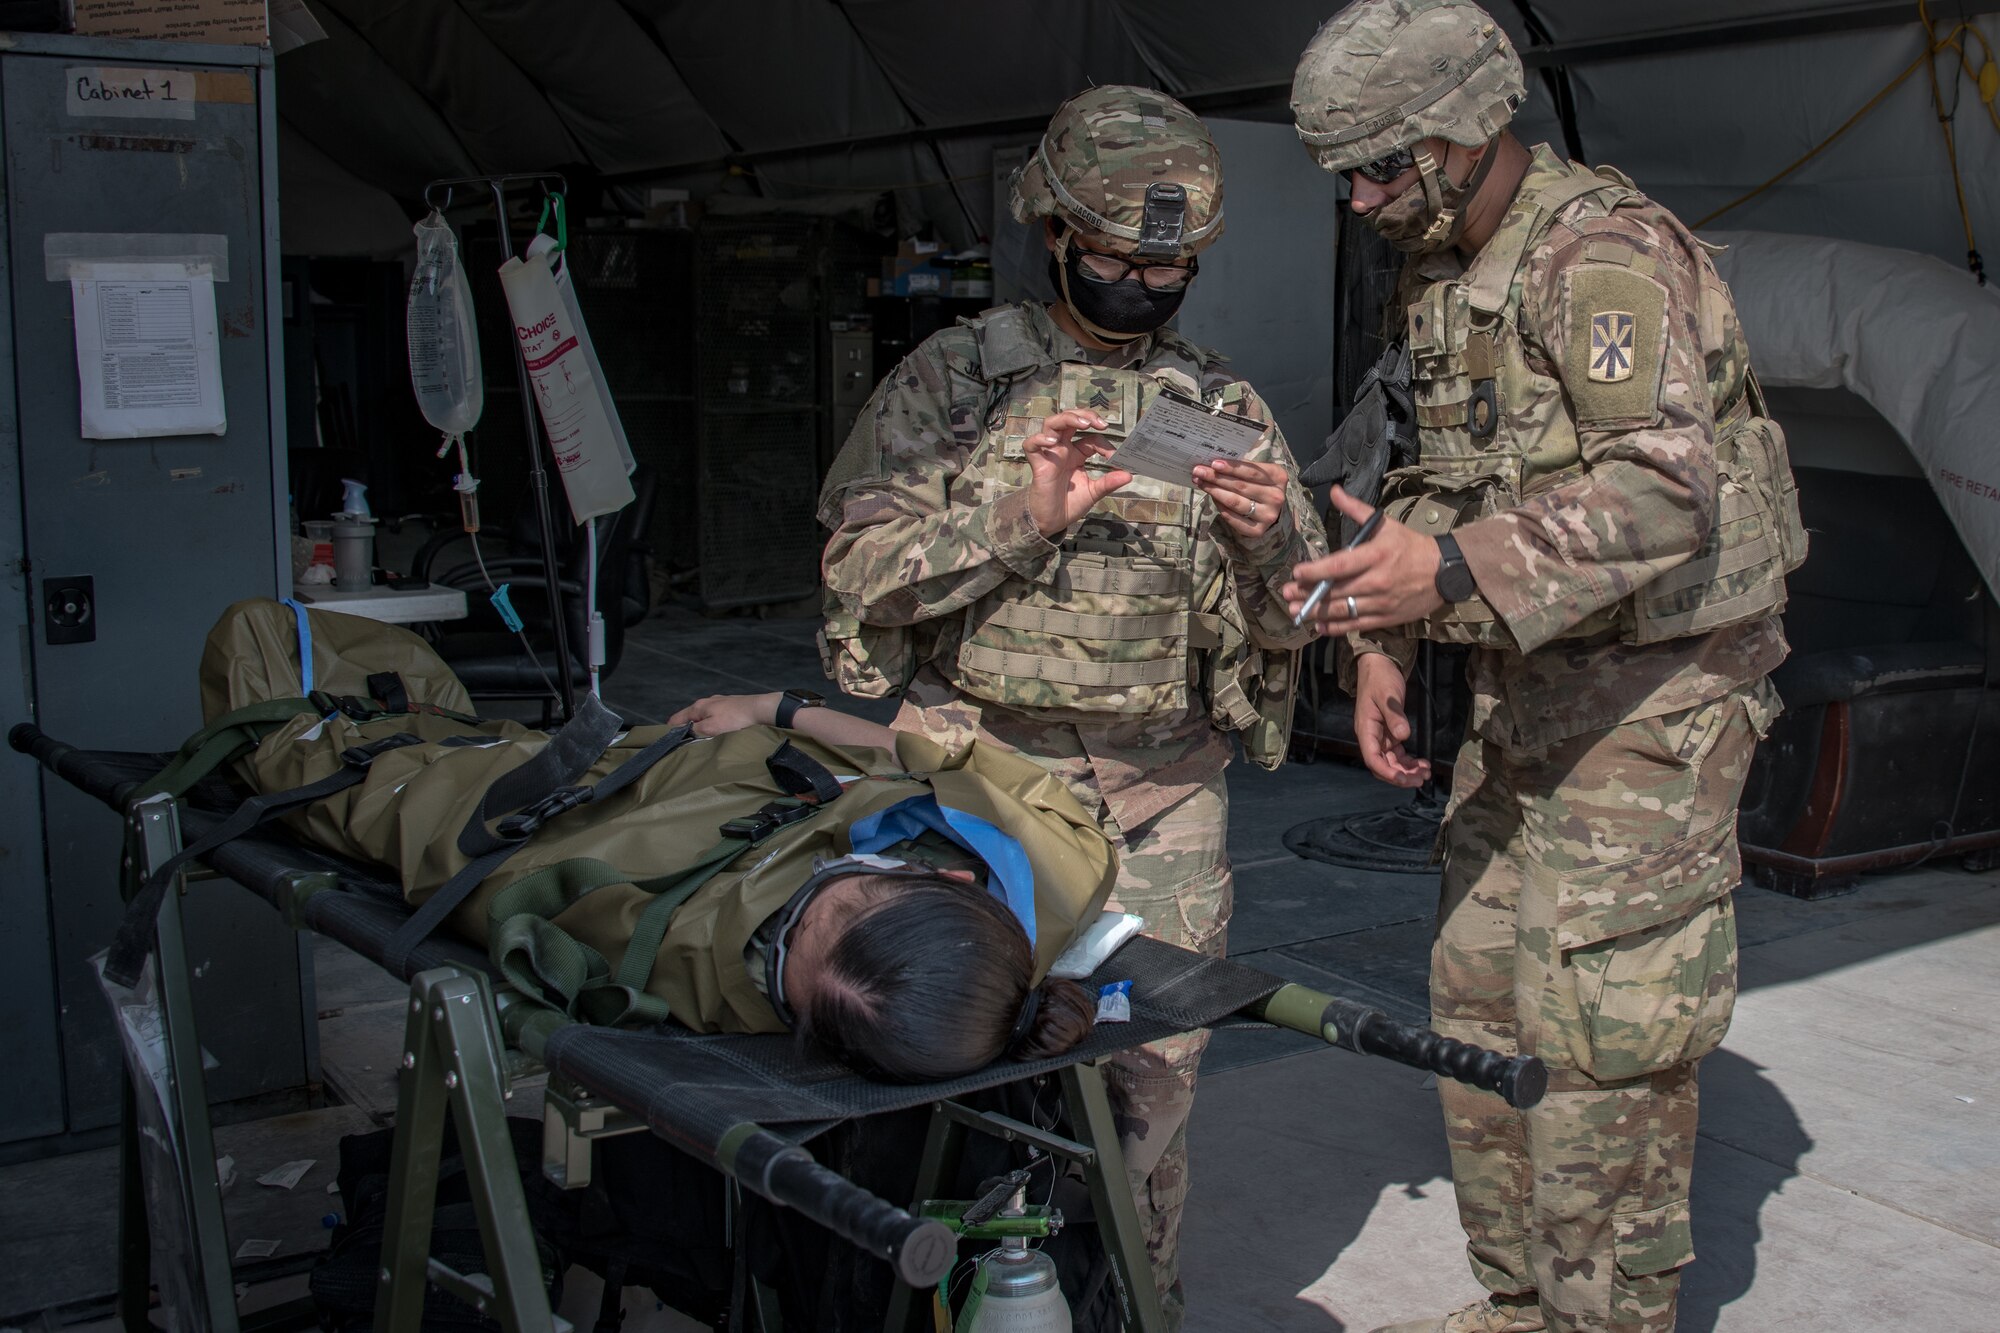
x: 1467, y: 346
x: 1119, y: 582
x: 1107, y: 629
x: 1737, y: 575
x: 1076, y: 625
x: 1069, y: 671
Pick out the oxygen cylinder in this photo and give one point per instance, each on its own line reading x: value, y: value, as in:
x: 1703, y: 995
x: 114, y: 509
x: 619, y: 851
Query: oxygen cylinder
x: 1020, y: 1292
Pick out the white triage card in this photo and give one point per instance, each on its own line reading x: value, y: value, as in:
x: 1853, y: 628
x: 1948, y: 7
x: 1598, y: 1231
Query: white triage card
x: 1175, y: 433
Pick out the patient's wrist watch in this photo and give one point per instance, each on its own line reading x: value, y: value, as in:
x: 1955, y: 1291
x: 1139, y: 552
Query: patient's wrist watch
x: 1454, y: 579
x: 791, y: 701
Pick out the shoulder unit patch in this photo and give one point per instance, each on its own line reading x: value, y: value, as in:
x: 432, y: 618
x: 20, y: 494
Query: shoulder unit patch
x: 1614, y: 354
x: 1610, y: 346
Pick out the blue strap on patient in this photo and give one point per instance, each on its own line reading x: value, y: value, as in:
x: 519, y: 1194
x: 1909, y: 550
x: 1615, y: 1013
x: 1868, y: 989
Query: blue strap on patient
x: 305, y: 645
x: 1013, y: 878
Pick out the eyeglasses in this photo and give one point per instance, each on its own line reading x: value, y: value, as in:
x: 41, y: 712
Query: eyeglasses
x: 1386, y: 168
x: 1161, y: 277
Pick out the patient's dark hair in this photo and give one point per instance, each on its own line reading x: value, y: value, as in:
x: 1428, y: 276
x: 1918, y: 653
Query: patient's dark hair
x: 926, y: 981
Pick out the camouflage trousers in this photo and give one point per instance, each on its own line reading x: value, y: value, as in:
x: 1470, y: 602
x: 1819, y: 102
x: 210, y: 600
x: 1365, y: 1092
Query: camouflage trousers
x: 1173, y: 871
x: 1586, y: 918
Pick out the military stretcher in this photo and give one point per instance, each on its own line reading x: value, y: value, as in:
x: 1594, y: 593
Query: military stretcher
x: 744, y: 1105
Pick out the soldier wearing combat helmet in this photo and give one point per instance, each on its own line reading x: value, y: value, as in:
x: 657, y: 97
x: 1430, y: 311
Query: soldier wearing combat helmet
x: 990, y: 568
x: 1600, y: 507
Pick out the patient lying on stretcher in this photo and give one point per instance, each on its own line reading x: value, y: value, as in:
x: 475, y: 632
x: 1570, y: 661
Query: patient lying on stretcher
x: 898, y: 904
x: 910, y: 969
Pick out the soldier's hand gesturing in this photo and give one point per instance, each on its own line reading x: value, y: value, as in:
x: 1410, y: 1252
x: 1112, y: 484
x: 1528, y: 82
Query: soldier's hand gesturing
x: 1062, y: 491
x: 1249, y: 496
x: 1387, y: 581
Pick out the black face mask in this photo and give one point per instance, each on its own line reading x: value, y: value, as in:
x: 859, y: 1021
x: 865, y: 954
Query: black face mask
x: 1114, y: 311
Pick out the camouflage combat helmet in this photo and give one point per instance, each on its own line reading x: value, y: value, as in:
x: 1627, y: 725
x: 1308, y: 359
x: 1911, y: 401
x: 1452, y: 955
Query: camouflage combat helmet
x: 1382, y: 74
x: 1131, y: 165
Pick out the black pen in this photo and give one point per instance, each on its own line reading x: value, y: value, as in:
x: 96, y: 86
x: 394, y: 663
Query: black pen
x: 1367, y: 531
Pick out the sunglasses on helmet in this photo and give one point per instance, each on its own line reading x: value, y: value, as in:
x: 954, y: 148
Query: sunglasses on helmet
x: 1389, y: 166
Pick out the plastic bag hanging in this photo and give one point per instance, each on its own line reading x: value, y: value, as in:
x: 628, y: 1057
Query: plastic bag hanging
x: 582, y: 422
x: 444, y: 350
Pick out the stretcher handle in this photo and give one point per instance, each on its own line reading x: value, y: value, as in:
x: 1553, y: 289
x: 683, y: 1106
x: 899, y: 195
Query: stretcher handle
x: 1520, y: 1080
x: 920, y: 1250
x: 49, y: 752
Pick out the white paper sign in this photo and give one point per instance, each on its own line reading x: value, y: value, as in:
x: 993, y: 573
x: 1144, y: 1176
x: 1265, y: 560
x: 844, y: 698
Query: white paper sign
x: 1175, y: 434
x: 135, y: 94
x: 147, y: 358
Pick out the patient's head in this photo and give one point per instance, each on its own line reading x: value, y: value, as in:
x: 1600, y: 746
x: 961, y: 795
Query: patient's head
x: 923, y: 978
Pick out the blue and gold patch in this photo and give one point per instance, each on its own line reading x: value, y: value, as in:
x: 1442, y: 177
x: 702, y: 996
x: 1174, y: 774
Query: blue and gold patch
x: 1615, y: 351
x: 1611, y: 346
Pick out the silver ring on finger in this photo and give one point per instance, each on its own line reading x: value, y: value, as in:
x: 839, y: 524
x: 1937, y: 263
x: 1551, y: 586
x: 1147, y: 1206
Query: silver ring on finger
x: 1253, y: 511
x: 1353, y: 611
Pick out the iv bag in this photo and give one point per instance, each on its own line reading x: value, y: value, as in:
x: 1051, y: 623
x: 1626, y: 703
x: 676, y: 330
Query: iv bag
x: 577, y: 410
x: 545, y: 244
x: 444, y: 340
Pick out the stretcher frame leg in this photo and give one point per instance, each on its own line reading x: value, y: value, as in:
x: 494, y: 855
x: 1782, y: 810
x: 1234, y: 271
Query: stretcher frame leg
x: 1095, y: 1149
x: 156, y: 836
x: 453, y: 1056
x: 1111, y: 1197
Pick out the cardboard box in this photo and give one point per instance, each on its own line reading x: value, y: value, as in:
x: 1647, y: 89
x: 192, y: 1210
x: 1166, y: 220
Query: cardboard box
x: 905, y: 275
x: 222, y: 22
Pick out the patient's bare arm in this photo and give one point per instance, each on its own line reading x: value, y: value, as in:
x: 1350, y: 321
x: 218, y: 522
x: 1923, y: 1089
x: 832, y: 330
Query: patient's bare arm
x: 719, y: 713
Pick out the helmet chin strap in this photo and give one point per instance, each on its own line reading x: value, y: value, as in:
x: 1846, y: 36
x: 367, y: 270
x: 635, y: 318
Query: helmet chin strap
x: 1447, y: 223
x: 1098, y: 332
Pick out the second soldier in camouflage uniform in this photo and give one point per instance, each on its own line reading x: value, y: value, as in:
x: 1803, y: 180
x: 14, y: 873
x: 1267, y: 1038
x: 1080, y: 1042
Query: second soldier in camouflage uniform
x: 1602, y: 510
x: 988, y: 565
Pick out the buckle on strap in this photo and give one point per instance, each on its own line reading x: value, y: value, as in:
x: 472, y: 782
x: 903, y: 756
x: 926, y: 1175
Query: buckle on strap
x: 768, y: 820
x: 523, y: 823
x: 355, y: 707
x: 360, y: 756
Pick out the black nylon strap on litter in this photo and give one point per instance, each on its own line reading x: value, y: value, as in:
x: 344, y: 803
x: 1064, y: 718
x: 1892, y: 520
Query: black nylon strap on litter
x: 525, y: 799
x: 568, y: 756
x: 387, y: 686
x: 135, y: 932
x: 802, y: 775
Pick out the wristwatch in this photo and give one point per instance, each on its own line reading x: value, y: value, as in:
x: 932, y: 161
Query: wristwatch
x: 792, y: 701
x: 1454, y: 580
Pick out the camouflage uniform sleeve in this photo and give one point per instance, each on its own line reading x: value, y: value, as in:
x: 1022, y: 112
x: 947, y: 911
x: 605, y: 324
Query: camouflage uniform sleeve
x: 1612, y: 303
x: 902, y: 551
x: 1262, y: 567
x: 1395, y: 645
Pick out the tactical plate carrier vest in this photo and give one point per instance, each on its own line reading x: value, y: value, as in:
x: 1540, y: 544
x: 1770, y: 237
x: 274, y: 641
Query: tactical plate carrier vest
x: 1136, y: 613
x: 1470, y: 370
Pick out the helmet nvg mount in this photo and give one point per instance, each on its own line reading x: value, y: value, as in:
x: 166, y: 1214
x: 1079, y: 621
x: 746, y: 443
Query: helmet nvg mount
x: 1130, y: 165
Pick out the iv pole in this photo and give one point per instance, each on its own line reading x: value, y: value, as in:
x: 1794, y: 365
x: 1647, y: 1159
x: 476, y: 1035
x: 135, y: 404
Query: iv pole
x: 538, y: 478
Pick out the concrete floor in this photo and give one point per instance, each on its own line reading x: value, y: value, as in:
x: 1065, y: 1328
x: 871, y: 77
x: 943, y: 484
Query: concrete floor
x: 1849, y: 1167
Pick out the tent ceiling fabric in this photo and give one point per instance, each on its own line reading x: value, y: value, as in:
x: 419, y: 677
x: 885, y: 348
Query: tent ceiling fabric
x: 853, y: 94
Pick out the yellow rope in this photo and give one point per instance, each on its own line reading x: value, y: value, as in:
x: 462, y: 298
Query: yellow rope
x: 1822, y: 145
x: 1986, y: 79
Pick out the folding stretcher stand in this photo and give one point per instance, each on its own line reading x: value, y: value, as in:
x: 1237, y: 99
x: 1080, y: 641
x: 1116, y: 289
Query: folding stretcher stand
x: 741, y: 1104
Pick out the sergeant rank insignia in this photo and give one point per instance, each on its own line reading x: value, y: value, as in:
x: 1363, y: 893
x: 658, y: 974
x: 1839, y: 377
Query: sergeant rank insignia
x: 1611, y: 346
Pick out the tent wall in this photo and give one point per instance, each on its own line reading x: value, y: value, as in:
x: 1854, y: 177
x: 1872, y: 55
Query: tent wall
x: 1265, y: 294
x: 818, y: 94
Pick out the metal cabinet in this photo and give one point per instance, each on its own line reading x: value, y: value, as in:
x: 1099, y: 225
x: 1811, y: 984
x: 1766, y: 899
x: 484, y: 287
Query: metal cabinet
x: 167, y: 532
